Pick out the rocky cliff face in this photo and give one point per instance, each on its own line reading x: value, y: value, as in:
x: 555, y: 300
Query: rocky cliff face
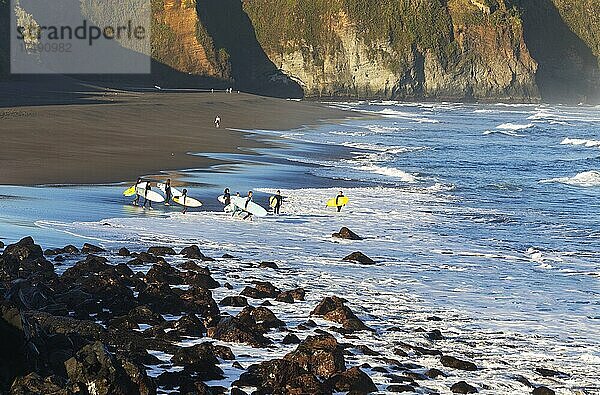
x: 443, y: 51
x: 509, y: 50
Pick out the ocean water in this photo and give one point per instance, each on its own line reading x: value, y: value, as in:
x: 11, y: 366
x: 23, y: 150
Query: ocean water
x: 487, y: 216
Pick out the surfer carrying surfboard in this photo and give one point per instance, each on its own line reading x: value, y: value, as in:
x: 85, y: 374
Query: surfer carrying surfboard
x: 136, y: 201
x: 337, y: 201
x: 226, y: 197
x: 182, y: 200
x: 217, y: 121
x: 168, y: 192
x: 248, y: 200
x: 146, y: 200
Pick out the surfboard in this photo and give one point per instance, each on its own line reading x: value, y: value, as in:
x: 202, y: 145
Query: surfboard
x: 187, y: 201
x: 150, y: 195
x: 342, y: 201
x: 175, y: 192
x: 272, y: 201
x: 229, y: 208
x: 221, y: 199
x: 252, y: 208
x: 131, y: 190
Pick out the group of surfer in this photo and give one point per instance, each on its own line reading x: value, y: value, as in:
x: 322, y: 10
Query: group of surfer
x: 243, y: 206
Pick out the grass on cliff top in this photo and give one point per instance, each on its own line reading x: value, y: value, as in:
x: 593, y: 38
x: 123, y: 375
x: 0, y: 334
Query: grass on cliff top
x: 282, y: 25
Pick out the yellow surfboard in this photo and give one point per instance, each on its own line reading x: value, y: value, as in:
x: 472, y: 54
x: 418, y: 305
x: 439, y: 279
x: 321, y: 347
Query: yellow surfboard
x: 341, y: 201
x: 129, y: 191
x: 272, y: 201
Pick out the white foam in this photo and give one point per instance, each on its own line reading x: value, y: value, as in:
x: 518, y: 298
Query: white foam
x: 585, y: 179
x: 514, y: 126
x: 581, y: 142
x: 503, y: 132
x: 389, y: 172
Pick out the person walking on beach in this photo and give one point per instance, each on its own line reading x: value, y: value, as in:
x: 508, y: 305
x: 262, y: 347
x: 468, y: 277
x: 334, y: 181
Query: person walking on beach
x: 248, y: 200
x: 168, y: 193
x: 337, y: 203
x: 136, y: 201
x: 278, y: 202
x: 226, y: 197
x: 146, y: 200
x: 182, y: 200
x: 217, y: 121
x: 236, y: 210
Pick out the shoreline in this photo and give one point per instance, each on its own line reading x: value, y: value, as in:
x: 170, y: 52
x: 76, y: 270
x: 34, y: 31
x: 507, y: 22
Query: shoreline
x: 138, y: 134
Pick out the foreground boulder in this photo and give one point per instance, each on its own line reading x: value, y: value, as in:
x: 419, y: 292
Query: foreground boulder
x: 199, y: 359
x: 455, y: 363
x: 353, y: 380
x: 347, y: 234
x: 91, y: 249
x: 193, y: 252
x: 359, y: 257
x: 280, y: 376
x: 542, y: 390
x: 334, y: 309
x: 24, y: 259
x: 161, y: 251
x: 463, y: 388
x: 232, y: 329
x: 320, y: 355
x: 94, y: 370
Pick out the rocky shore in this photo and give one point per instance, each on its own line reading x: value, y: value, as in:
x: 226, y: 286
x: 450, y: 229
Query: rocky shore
x: 90, y: 321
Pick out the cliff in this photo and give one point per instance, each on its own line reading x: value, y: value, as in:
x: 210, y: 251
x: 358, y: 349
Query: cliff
x: 498, y: 50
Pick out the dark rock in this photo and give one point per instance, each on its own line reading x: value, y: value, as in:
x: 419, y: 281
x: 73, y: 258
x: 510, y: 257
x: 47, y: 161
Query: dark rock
x: 298, y: 293
x: 195, y: 267
x: 542, y: 390
x: 353, y: 381
x: 227, y: 256
x: 551, y: 373
x: 237, y: 391
x: 143, y: 315
x: 260, y: 318
x: 400, y: 388
x: 161, y: 251
x: 320, y: 355
x: 463, y: 388
x: 435, y: 335
x: 455, y: 363
x: 234, y: 301
x: 52, y: 251
x: 232, y: 329
x: 523, y: 380
x: 285, y: 297
x: 269, y: 265
x: 290, y: 338
x: 347, y: 234
x: 91, y: 249
x: 281, y: 376
x: 359, y: 257
x: 135, y: 262
x: 123, y: 252
x: 238, y: 365
x: 33, y: 383
x: 189, y: 325
x: 147, y: 258
x: 59, y: 258
x: 228, y: 286
x: 400, y: 352
x: 200, y: 359
x: 94, y: 367
x: 70, y: 249
x: 24, y: 259
x: 1, y: 244
x: 193, y: 252
x: 433, y: 373
x: 261, y: 290
x: 333, y: 309
x: 365, y: 350
x: 200, y: 280
x: 434, y: 318
x: 162, y: 272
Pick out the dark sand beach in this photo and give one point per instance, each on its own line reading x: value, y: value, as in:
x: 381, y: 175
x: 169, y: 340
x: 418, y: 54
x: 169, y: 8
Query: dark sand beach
x: 112, y: 135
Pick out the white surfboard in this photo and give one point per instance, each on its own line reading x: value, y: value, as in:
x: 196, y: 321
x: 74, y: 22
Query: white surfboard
x: 150, y: 195
x: 221, y: 199
x: 175, y: 192
x: 187, y: 201
x: 252, y: 207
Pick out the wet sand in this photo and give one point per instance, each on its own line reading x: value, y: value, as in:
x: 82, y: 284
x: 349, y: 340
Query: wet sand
x: 115, y: 136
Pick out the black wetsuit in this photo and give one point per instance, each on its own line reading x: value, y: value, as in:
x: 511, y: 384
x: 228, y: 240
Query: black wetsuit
x: 278, y: 202
x: 339, y: 207
x: 146, y: 201
x: 227, y: 197
x: 168, y: 194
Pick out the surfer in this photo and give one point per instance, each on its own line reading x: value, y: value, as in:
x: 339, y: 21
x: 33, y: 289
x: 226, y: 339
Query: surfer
x: 278, y: 202
x: 337, y: 198
x: 226, y: 197
x: 136, y: 201
x: 248, y: 200
x: 217, y: 121
x: 182, y: 200
x: 236, y: 209
x: 168, y: 193
x: 146, y: 200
